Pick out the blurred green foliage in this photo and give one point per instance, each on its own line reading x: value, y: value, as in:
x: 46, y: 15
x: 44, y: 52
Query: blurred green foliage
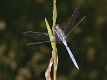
x: 88, y: 41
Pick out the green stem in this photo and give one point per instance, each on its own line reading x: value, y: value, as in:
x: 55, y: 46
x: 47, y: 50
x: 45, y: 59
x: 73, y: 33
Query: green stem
x: 55, y: 58
x: 54, y: 43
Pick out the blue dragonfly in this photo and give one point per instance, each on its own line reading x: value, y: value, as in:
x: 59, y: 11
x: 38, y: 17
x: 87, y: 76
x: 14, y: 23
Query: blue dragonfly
x: 61, y: 34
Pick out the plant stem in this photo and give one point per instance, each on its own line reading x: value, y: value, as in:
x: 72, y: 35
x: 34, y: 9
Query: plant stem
x: 54, y: 55
x: 54, y: 43
x: 55, y: 61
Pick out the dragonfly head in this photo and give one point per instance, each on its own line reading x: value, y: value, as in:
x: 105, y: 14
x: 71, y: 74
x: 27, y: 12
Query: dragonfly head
x: 56, y: 27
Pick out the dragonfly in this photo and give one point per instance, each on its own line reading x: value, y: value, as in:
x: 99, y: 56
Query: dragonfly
x: 61, y: 34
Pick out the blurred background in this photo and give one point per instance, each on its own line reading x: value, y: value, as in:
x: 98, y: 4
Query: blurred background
x: 88, y: 41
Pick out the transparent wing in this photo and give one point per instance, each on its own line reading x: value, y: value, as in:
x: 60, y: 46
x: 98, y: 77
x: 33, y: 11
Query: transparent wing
x: 70, y: 25
x: 40, y: 36
x: 75, y: 26
x: 37, y: 42
x: 37, y: 35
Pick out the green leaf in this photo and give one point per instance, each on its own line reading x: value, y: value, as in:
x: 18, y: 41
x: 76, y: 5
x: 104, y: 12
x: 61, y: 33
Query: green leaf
x: 50, y: 33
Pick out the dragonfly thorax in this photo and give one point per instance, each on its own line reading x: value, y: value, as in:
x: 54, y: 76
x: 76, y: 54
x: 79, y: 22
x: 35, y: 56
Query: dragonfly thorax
x: 59, y: 32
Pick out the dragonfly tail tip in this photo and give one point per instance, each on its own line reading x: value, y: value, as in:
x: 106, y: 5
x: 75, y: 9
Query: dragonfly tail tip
x: 77, y: 67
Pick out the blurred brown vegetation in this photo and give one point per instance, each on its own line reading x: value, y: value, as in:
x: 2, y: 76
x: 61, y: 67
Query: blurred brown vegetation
x: 88, y: 41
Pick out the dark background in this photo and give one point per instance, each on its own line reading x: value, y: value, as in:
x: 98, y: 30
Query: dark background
x: 88, y: 41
